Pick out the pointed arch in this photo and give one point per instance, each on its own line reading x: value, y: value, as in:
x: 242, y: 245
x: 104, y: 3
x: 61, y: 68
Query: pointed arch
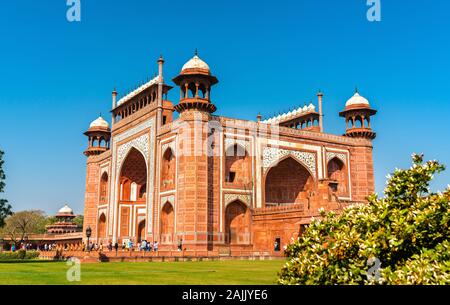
x: 133, y: 175
x: 101, y: 232
x: 168, y: 170
x: 167, y: 223
x: 141, y: 231
x: 237, y: 223
x: 238, y: 165
x: 104, y: 188
x: 289, y: 182
x: 337, y: 171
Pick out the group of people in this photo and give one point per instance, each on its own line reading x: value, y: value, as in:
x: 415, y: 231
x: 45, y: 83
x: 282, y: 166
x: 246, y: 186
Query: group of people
x: 127, y: 245
x: 142, y: 246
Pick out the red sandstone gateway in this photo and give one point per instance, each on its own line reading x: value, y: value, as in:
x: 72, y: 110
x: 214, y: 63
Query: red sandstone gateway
x: 218, y: 186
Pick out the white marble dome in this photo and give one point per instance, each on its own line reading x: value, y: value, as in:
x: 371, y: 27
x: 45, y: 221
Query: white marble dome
x: 195, y: 63
x: 65, y: 210
x: 357, y: 99
x: 99, y: 122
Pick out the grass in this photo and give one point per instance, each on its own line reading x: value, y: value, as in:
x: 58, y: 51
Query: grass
x: 152, y: 273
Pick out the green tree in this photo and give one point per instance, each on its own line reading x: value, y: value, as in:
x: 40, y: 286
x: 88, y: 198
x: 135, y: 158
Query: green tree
x: 79, y: 220
x: 403, y: 238
x: 5, y: 208
x: 22, y: 223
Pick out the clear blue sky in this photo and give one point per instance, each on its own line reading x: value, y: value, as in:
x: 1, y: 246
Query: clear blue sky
x: 56, y: 76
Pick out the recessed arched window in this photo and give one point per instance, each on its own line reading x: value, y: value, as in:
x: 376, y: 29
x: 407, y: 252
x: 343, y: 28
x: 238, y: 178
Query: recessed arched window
x: 133, y: 191
x: 168, y: 168
x: 237, y: 165
x: 337, y: 171
x: 104, y: 188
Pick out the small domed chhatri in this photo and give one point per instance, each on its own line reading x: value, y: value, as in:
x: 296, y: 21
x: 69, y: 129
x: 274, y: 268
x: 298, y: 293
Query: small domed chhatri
x: 99, y: 122
x: 99, y: 135
x: 65, y: 210
x: 357, y: 101
x: 64, y: 222
x: 357, y: 115
x: 195, y: 81
x: 195, y: 63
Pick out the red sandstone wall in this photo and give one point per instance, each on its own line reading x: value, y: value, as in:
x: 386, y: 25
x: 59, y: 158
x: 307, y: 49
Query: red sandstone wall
x: 362, y: 174
x: 91, y: 198
x: 192, y: 185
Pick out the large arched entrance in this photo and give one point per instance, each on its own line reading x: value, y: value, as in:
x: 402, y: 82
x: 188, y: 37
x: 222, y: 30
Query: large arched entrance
x: 101, y: 234
x: 237, y: 223
x: 337, y: 171
x: 167, y: 223
x: 289, y: 182
x: 132, y: 192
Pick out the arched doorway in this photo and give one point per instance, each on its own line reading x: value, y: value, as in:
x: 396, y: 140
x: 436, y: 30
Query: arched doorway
x: 141, y: 231
x: 132, y: 191
x: 337, y: 171
x: 167, y: 223
x: 101, y: 234
x: 237, y: 223
x: 289, y: 182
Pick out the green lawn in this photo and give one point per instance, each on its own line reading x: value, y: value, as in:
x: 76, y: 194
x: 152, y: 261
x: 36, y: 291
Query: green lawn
x: 164, y: 273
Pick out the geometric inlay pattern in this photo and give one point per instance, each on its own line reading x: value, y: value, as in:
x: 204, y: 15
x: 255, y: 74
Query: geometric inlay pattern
x: 272, y: 154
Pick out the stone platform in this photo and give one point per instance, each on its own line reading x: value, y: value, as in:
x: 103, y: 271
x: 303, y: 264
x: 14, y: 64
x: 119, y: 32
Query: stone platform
x: 160, y: 256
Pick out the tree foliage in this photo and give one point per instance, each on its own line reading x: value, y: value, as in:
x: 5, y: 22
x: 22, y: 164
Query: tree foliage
x: 5, y: 208
x: 406, y: 233
x: 22, y: 223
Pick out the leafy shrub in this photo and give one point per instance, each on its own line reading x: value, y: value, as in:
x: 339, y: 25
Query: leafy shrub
x: 18, y: 255
x: 406, y: 234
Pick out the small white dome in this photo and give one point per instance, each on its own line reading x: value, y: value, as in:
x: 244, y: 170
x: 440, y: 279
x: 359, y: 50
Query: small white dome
x: 195, y: 63
x: 357, y: 99
x: 305, y: 108
x: 100, y: 122
x: 65, y: 210
x: 311, y: 107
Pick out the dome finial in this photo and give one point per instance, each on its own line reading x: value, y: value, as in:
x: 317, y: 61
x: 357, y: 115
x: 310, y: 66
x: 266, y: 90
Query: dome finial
x: 356, y: 89
x: 196, y: 52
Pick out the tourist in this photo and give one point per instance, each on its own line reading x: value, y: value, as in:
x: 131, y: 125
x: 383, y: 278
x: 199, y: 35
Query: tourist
x: 13, y: 248
x: 150, y: 246
x: 155, y: 246
x: 144, y: 245
x: 45, y: 247
x: 116, y: 247
x: 110, y: 246
x: 180, y: 245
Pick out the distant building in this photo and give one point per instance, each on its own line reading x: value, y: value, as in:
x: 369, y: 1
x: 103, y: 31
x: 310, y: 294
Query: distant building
x: 64, y: 223
x: 223, y: 186
x: 63, y: 231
